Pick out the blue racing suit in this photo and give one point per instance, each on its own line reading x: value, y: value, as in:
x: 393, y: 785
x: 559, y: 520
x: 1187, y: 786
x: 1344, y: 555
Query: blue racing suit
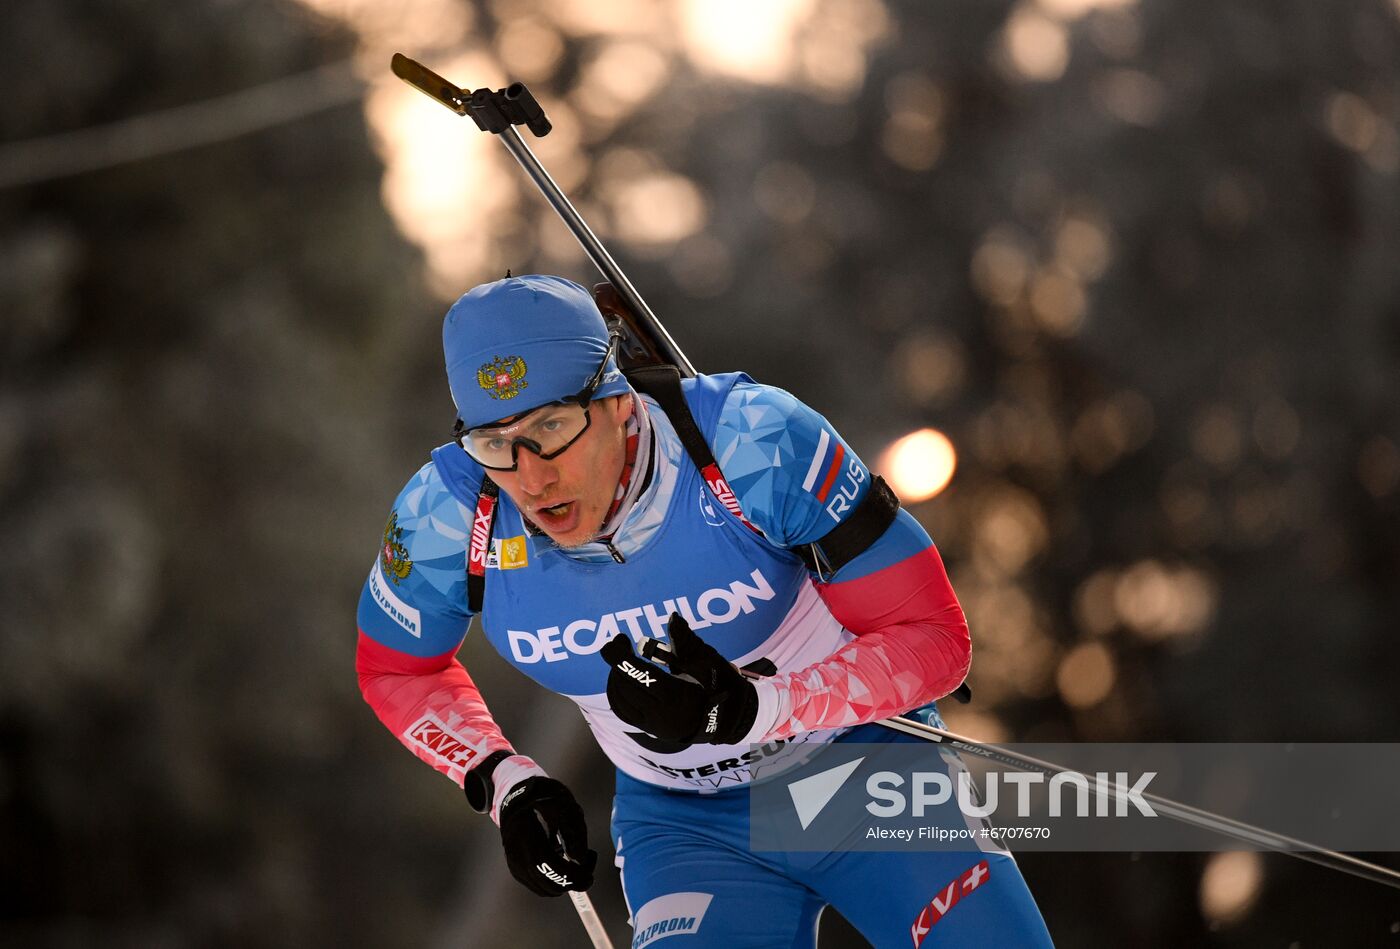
x: 882, y: 636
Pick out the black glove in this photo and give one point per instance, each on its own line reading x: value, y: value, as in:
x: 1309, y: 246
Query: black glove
x: 701, y: 697
x: 545, y: 837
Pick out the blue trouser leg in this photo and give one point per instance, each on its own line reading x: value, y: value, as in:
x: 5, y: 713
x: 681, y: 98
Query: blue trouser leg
x: 960, y: 898
x: 683, y: 884
x: 982, y: 899
x: 687, y: 871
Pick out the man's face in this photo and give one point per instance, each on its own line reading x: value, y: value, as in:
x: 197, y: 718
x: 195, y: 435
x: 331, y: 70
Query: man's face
x: 568, y: 496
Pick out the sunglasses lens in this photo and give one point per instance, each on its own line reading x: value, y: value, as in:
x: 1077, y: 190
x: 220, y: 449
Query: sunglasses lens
x: 545, y: 431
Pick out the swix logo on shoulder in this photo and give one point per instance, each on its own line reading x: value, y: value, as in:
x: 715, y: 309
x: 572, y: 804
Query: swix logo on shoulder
x: 946, y: 900
x: 675, y: 914
x: 583, y: 637
x: 445, y: 744
x: 714, y: 479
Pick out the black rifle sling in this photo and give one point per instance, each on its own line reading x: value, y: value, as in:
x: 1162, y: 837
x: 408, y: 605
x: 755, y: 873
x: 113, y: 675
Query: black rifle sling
x: 842, y: 544
x: 663, y: 383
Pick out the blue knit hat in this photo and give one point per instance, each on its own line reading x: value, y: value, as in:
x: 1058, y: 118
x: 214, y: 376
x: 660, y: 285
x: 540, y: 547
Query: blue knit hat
x: 522, y: 342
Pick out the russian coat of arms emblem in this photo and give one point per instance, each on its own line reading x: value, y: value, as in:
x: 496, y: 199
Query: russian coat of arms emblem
x: 394, y: 555
x: 502, y: 377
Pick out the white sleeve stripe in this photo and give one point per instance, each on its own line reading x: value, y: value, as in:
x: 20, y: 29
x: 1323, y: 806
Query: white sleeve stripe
x: 811, y: 478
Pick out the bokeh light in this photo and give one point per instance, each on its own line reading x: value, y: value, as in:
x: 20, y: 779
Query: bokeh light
x: 751, y: 41
x: 1074, y: 9
x: 1161, y: 602
x: 1230, y: 885
x: 1015, y: 656
x: 410, y: 24
x: 617, y: 78
x: 1000, y: 267
x: 1086, y: 675
x: 1216, y: 436
x: 1035, y: 47
x: 1010, y: 529
x: 530, y: 50
x: 655, y: 210
x: 446, y: 187
x: 589, y: 18
x: 931, y: 367
x: 919, y: 465
x: 913, y: 133
x: 1083, y: 244
x: 1058, y: 302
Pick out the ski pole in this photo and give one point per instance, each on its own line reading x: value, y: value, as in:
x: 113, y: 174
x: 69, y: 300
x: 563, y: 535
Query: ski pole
x: 657, y: 651
x: 1186, y: 814
x: 589, y: 917
x: 583, y: 905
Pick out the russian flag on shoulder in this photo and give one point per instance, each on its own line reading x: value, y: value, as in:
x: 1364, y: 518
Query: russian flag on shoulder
x: 826, y: 465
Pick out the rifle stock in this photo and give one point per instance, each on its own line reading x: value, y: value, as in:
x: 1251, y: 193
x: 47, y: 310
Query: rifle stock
x: 640, y: 346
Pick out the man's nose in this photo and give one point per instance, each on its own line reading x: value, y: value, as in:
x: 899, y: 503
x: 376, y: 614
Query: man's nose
x: 535, y: 474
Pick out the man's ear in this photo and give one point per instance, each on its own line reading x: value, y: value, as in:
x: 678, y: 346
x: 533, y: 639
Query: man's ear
x: 622, y: 407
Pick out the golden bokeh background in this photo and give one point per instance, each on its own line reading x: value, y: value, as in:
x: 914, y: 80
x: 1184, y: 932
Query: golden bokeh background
x: 1108, y: 290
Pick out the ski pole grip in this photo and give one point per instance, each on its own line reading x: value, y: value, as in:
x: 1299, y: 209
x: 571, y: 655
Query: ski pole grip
x: 654, y: 650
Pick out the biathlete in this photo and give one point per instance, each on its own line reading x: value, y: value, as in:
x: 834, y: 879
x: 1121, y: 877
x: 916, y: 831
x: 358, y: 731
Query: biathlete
x: 582, y: 513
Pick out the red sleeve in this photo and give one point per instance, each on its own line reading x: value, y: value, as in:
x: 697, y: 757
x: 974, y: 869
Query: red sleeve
x: 911, y: 647
x: 430, y: 704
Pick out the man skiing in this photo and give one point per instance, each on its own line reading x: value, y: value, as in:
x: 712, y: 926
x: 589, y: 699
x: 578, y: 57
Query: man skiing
x: 584, y: 515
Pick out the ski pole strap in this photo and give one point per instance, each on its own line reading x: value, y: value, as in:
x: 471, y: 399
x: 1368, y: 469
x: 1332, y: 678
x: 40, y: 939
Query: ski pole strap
x: 480, y: 545
x: 842, y: 544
